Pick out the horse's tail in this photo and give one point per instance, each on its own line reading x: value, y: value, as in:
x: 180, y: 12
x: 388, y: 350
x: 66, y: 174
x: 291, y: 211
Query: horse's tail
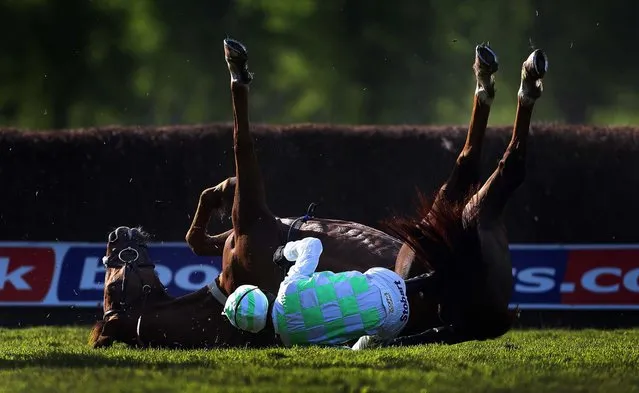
x: 438, y: 235
x: 448, y: 243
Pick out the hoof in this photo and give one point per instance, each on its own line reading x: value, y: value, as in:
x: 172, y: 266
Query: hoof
x: 536, y: 65
x: 236, y: 57
x: 486, y: 64
x: 532, y: 72
x: 485, y: 60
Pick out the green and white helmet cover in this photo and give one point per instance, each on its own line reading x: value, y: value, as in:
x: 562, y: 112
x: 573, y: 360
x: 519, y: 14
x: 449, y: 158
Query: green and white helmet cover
x: 247, y: 308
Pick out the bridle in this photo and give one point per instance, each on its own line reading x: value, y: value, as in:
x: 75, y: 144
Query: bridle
x: 131, y: 264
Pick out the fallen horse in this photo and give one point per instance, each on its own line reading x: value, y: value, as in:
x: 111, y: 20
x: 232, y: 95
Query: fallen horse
x: 137, y: 309
x: 457, y: 244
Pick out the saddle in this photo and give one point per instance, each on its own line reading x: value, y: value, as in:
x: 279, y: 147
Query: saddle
x: 278, y: 255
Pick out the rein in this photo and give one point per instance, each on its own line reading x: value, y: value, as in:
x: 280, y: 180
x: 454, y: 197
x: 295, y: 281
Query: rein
x: 310, y: 213
x: 217, y: 293
x: 278, y: 257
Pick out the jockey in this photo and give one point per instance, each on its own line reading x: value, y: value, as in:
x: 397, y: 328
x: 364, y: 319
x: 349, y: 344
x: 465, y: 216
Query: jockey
x: 323, y: 308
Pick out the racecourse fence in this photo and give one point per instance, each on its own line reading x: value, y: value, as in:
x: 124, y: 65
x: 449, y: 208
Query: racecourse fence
x: 582, y: 184
x: 75, y: 186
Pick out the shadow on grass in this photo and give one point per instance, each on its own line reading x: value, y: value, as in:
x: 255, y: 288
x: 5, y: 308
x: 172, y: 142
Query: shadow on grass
x: 71, y: 360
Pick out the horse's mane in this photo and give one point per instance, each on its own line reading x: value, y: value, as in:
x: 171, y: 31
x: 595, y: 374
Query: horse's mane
x: 142, y: 236
x: 134, y: 233
x: 189, y: 298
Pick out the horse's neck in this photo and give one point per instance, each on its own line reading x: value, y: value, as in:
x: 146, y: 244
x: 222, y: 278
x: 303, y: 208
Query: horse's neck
x: 165, y: 297
x: 185, y: 300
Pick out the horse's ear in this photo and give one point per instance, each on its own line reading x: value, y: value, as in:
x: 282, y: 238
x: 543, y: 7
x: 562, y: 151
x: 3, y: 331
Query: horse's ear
x: 103, y: 342
x: 97, y: 338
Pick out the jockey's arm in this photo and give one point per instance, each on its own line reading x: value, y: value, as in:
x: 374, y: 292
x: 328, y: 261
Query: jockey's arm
x: 305, y: 253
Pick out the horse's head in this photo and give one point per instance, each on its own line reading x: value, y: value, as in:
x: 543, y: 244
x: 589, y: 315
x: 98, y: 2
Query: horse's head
x: 195, y: 320
x: 130, y: 285
x: 139, y: 312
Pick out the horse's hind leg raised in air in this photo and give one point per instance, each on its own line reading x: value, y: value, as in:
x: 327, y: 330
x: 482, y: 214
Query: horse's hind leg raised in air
x: 465, y: 173
x: 510, y: 173
x: 487, y: 206
x: 463, y: 178
x: 482, y: 311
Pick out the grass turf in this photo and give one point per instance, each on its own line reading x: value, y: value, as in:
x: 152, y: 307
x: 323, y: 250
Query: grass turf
x: 50, y: 359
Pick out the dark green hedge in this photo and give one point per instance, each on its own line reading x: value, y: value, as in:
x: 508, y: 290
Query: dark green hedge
x: 582, y: 183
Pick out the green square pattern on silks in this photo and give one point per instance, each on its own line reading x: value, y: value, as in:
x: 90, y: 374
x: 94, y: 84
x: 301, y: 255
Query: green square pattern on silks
x: 348, y: 305
x: 312, y: 316
x: 359, y: 284
x: 292, y: 303
x: 339, y: 277
x: 281, y: 323
x: 335, y: 328
x: 304, y: 284
x: 298, y: 338
x: 370, y: 318
x: 325, y: 294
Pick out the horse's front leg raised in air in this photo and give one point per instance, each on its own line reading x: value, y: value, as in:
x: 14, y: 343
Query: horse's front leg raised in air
x: 249, y: 203
x: 218, y: 199
x: 255, y: 229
